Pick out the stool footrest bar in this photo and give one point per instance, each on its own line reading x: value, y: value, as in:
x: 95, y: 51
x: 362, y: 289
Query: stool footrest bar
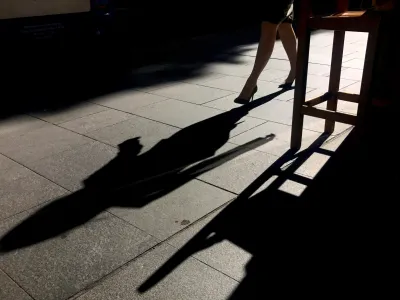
x: 329, y: 115
x: 348, y: 97
x: 318, y: 100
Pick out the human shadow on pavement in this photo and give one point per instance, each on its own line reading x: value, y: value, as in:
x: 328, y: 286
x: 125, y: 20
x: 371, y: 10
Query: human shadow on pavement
x: 134, y: 180
x: 299, y: 252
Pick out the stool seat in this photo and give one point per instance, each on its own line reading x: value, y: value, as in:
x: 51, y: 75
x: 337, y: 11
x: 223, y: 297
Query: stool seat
x: 360, y: 21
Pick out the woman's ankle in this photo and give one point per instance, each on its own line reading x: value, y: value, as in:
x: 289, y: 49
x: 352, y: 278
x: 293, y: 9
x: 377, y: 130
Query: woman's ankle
x: 248, y: 88
x: 292, y: 75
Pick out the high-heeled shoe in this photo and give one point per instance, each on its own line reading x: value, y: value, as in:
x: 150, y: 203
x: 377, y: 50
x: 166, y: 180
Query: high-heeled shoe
x: 240, y: 100
x: 286, y: 85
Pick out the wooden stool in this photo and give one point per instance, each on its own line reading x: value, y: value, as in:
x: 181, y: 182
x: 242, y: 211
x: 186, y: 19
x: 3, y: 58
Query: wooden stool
x: 359, y: 21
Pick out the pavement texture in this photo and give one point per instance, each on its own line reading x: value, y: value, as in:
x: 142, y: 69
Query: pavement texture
x: 97, y: 196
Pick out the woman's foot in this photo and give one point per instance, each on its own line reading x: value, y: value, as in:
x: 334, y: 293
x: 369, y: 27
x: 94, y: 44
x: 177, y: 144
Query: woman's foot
x: 246, y: 96
x: 247, y: 90
x: 292, y: 76
x: 289, y: 80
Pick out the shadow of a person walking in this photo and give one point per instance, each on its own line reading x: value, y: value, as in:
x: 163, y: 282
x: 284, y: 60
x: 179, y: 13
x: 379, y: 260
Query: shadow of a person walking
x: 133, y: 180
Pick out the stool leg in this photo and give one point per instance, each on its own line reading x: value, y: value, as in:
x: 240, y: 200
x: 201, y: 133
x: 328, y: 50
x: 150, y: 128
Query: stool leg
x: 334, y: 79
x: 303, y: 53
x: 365, y: 93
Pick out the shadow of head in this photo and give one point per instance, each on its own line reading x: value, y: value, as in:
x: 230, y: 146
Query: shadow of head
x: 130, y: 147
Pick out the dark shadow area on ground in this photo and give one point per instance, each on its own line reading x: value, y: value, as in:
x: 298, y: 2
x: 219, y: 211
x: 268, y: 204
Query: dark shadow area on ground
x: 57, y: 74
x: 133, y: 180
x: 341, y: 248
x: 75, y: 66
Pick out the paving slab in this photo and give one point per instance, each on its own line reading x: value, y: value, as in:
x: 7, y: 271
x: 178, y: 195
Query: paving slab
x: 321, y: 55
x: 70, y: 168
x: 272, y: 74
x: 182, y: 115
x: 173, y: 212
x: 289, y: 94
x: 318, y: 125
x: 353, y: 89
x: 233, y: 69
x: 281, y: 142
x: 328, y: 50
x: 9, y: 290
x: 343, y: 106
x: 360, y: 55
x: 334, y: 142
x: 191, y: 280
x: 276, y: 147
x: 273, y: 110
x: 22, y: 189
x: 278, y: 64
x: 279, y: 53
x: 128, y: 101
x: 318, y: 69
x: 40, y: 143
x: 96, y: 121
x: 18, y: 125
x: 149, y: 132
x: 322, y: 59
x: 228, y: 103
x: 353, y: 74
x: 158, y: 84
x: 351, y: 48
x: 61, y: 267
x: 315, y: 93
x: 203, y: 77
x: 191, y: 93
x: 361, y: 43
x: 67, y: 114
x: 322, y: 82
x: 227, y: 148
x: 225, y: 256
x: 235, y: 175
x: 289, y: 187
x: 322, y: 39
x: 353, y: 37
x: 355, y: 63
x: 312, y: 94
x: 177, y: 113
x: 235, y: 84
x: 6, y: 163
x: 313, y: 165
x: 245, y: 124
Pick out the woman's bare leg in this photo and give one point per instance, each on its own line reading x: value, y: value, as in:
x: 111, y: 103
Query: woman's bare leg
x: 264, y: 51
x: 289, y: 42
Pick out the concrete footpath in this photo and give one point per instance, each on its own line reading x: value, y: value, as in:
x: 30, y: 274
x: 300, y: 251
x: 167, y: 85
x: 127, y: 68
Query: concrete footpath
x: 95, y: 197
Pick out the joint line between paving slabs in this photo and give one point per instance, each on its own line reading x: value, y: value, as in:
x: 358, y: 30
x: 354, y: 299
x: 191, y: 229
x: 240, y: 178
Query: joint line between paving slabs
x: 130, y: 113
x: 161, y: 242
x: 12, y: 279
